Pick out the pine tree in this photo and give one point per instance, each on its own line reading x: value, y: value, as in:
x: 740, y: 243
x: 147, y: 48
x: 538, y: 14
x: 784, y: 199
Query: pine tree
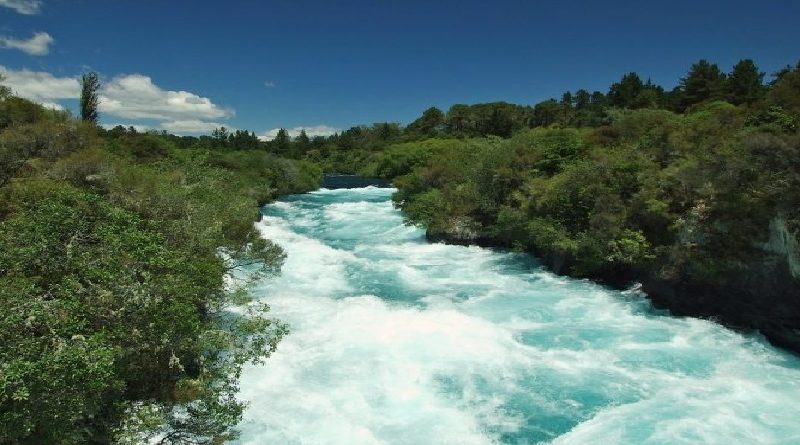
x: 745, y: 84
x: 704, y: 82
x: 90, y: 84
x: 623, y: 94
x: 302, y: 143
x: 282, y: 142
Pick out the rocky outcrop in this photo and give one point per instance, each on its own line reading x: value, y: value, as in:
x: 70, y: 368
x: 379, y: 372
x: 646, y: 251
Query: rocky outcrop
x: 765, y: 295
x: 461, y: 230
x: 784, y: 243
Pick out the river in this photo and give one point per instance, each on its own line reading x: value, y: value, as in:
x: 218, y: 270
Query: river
x: 397, y: 341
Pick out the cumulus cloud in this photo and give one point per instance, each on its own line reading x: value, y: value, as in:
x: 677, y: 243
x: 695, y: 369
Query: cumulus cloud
x: 269, y: 84
x: 135, y: 96
x: 38, y: 45
x: 132, y: 96
x: 27, y: 7
x: 317, y: 130
x: 40, y: 86
x: 52, y: 105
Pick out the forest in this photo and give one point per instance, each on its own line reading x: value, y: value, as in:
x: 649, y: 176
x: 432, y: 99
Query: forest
x: 118, y: 258
x: 120, y: 249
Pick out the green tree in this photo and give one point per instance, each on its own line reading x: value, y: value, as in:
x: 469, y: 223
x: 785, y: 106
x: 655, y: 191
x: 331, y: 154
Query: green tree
x: 5, y: 91
x: 221, y: 136
x: 282, y: 142
x: 458, y: 122
x: 90, y: 84
x: 704, y: 82
x: 429, y: 124
x: 785, y: 90
x: 546, y: 113
x: 500, y: 122
x: 582, y: 99
x: 301, y: 145
x: 243, y: 140
x: 623, y: 94
x: 598, y: 99
x: 745, y: 83
x: 566, y: 107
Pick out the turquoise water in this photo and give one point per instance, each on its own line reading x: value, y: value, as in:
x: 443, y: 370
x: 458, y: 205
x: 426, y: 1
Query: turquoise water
x: 398, y: 341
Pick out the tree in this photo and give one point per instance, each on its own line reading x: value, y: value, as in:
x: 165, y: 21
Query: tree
x: 429, y: 124
x: 598, y: 99
x: 90, y: 84
x: 704, y: 82
x: 546, y: 113
x: 282, y: 142
x: 623, y: 94
x: 243, y: 140
x: 302, y: 139
x: 221, y: 135
x: 4, y: 90
x: 582, y: 99
x: 458, y: 120
x: 785, y: 90
x: 566, y: 107
x: 745, y: 83
x: 385, y: 131
x: 302, y: 144
x: 500, y: 122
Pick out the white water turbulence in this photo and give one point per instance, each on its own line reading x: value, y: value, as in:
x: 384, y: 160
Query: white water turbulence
x: 396, y: 341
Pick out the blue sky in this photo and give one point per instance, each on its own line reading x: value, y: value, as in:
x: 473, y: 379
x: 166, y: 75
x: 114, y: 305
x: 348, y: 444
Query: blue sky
x: 261, y: 65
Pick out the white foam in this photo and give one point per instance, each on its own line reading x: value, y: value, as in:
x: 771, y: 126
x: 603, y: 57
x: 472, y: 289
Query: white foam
x: 360, y: 365
x: 460, y: 348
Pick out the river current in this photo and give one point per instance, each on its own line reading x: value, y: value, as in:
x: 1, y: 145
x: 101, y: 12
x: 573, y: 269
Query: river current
x: 397, y: 341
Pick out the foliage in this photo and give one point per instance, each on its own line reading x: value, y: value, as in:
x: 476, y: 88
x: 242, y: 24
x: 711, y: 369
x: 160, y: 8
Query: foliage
x: 90, y: 84
x: 430, y: 124
x: 114, y: 253
x: 685, y: 197
x: 745, y: 83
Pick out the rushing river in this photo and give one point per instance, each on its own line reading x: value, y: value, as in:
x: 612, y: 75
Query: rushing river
x: 398, y: 341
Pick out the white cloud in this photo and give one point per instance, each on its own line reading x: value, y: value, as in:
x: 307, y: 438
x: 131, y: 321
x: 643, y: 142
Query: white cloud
x: 317, y: 130
x: 269, y: 84
x: 134, y: 96
x: 53, y: 105
x: 131, y: 96
x: 27, y: 7
x: 39, y: 86
x: 38, y: 45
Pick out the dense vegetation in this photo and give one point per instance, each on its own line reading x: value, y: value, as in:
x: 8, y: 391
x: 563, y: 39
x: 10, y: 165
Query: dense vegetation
x: 118, y: 248
x: 695, y: 191
x: 117, y: 256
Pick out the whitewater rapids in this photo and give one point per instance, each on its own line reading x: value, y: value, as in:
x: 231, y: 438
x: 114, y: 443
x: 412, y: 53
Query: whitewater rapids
x: 396, y: 341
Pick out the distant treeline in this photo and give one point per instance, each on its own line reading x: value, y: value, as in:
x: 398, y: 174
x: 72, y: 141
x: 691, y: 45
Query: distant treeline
x: 704, y: 82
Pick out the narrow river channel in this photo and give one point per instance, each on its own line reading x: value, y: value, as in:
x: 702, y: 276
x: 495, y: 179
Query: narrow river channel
x: 399, y: 341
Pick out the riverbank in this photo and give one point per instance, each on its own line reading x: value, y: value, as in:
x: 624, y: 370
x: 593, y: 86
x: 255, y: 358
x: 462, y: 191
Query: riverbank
x: 710, y: 230
x: 400, y: 341
x: 345, y: 181
x: 116, y: 252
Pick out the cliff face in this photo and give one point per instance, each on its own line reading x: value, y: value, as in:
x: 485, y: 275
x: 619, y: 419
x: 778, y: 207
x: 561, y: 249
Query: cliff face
x: 784, y: 244
x: 765, y: 296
